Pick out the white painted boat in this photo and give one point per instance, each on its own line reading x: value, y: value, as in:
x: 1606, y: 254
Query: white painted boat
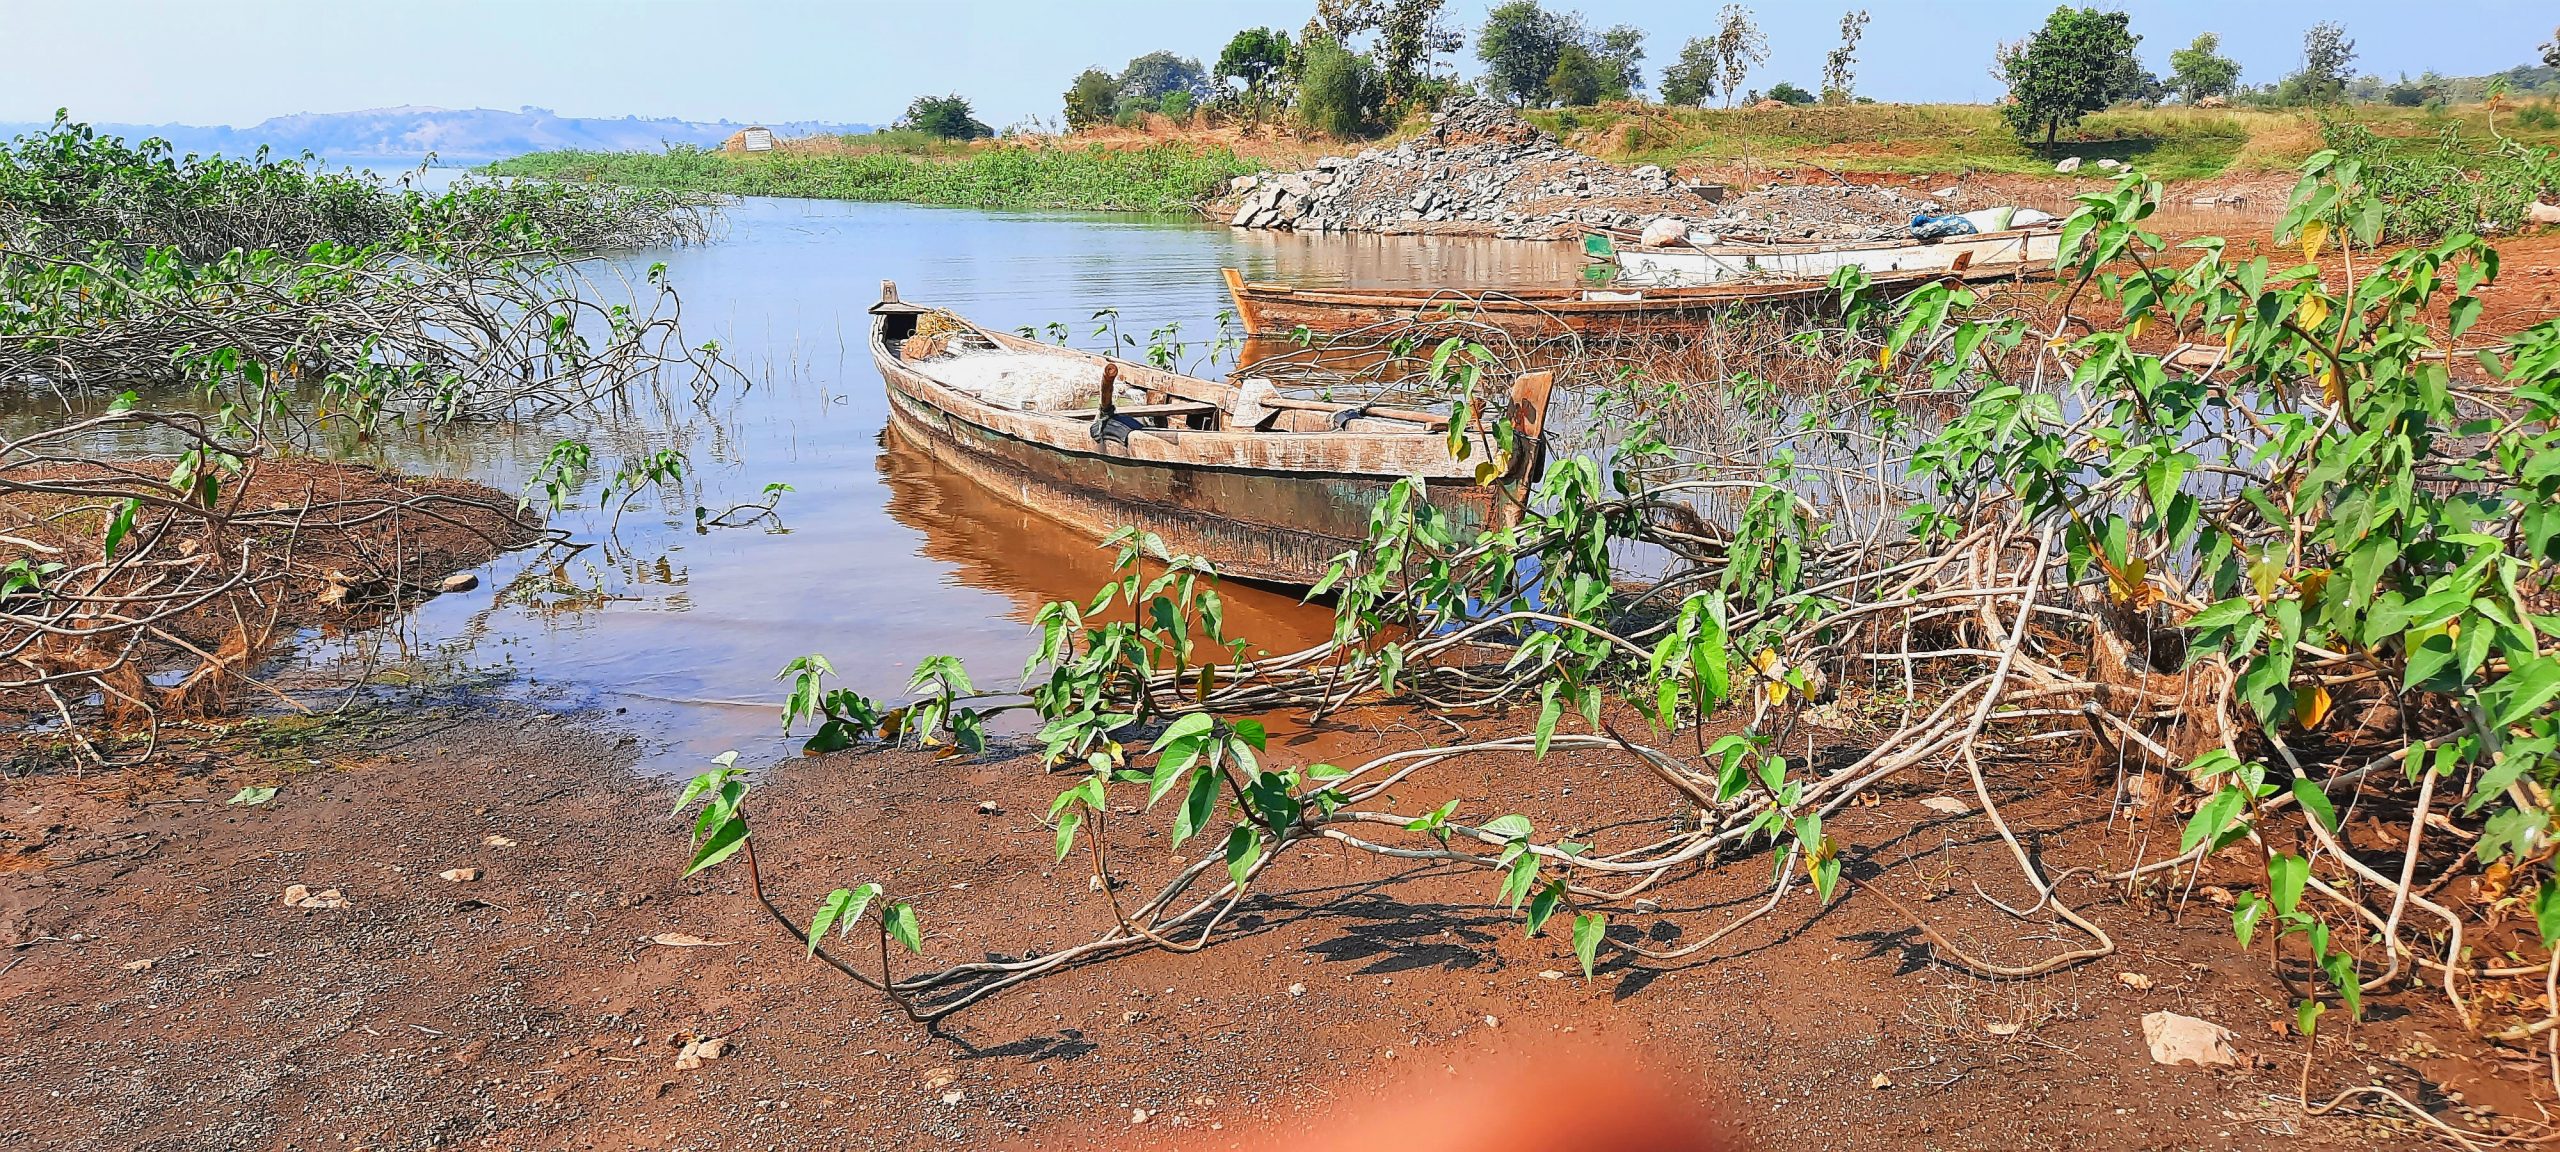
x: 1981, y: 253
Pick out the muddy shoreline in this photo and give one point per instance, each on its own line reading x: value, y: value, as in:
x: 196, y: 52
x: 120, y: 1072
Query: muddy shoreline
x: 160, y: 995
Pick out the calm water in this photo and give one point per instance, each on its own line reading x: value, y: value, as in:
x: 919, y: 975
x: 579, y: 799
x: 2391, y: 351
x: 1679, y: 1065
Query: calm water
x: 885, y: 557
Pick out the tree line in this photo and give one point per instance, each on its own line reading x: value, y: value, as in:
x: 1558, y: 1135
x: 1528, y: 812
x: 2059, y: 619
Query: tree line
x: 1357, y: 67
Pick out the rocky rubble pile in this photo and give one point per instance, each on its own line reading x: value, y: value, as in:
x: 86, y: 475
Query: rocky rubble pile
x: 1799, y: 212
x: 1480, y: 170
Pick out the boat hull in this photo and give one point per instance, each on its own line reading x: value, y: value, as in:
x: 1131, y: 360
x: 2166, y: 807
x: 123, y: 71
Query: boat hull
x: 2020, y: 250
x: 1273, y: 310
x: 1269, y: 526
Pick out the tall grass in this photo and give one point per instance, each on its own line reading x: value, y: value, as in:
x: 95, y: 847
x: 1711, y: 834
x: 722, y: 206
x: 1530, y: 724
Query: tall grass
x: 2169, y: 143
x: 1156, y: 178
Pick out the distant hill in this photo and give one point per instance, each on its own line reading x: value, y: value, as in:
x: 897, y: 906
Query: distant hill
x: 457, y: 136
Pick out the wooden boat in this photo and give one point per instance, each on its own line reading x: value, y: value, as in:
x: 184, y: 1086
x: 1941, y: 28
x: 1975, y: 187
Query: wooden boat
x: 2008, y: 252
x: 1264, y: 487
x: 1598, y: 313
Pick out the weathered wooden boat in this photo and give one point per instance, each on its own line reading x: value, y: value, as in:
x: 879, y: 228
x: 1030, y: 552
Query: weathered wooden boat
x: 1598, y: 312
x: 1265, y: 487
x: 2012, y: 251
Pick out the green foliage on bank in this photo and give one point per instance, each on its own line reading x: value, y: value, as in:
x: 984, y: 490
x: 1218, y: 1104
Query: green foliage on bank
x: 1155, y: 178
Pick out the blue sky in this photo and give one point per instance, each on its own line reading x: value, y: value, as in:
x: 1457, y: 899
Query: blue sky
x: 238, y: 62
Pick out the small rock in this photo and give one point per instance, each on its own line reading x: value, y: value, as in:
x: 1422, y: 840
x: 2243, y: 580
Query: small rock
x: 2109, y: 165
x: 1946, y: 805
x: 1297, y: 990
x: 990, y: 807
x: 955, y: 1096
x: 2541, y: 213
x: 140, y: 965
x: 1880, y: 1082
x: 459, y: 582
x: 1138, y: 1115
x: 2070, y: 165
x: 1550, y: 974
x: 1493, y: 1022
x: 2138, y: 981
x: 1949, y: 192
x: 493, y: 840
x: 2176, y: 1039
x: 699, y: 1051
x: 940, y: 1078
x: 459, y: 875
x: 301, y: 896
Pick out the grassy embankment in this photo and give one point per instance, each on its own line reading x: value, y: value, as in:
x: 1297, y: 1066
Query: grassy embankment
x: 2170, y: 143
x: 1156, y: 177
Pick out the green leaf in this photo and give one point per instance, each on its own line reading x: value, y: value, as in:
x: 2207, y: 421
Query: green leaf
x: 1588, y: 929
x: 2306, y: 1016
x: 720, y: 845
x: 120, y: 526
x: 1510, y: 827
x: 840, y: 910
x: 904, y: 929
x: 2286, y: 874
x: 1198, y: 806
x: 1244, y: 846
x: 1552, y: 895
x: 2213, y: 818
x: 1067, y: 825
x: 1519, y: 879
x: 1549, y: 709
x: 2546, y: 911
x: 1251, y: 732
x: 2315, y: 802
x: 252, y: 796
x: 2246, y: 911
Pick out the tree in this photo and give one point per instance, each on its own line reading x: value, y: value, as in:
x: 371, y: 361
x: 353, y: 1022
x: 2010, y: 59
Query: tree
x: 1177, y: 104
x: 2200, y: 69
x: 1339, y: 90
x: 2326, y: 53
x: 1092, y: 100
x: 1692, y: 78
x: 1579, y: 79
x: 1840, y: 65
x: 1621, y: 51
x: 2551, y: 51
x: 1256, y: 58
x: 1787, y: 93
x: 2076, y: 64
x: 1148, y: 78
x: 948, y: 117
x: 1410, y: 38
x: 1739, y: 48
x: 1521, y: 44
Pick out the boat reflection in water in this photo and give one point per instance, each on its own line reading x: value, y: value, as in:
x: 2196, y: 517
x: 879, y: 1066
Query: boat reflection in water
x: 994, y: 544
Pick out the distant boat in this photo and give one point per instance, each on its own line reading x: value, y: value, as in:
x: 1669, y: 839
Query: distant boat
x: 1264, y: 487
x: 1974, y: 255
x: 1602, y: 313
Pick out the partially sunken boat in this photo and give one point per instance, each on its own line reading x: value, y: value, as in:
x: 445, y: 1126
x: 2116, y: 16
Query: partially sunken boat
x: 1268, y: 309
x: 1265, y: 487
x: 1620, y: 312
x: 1978, y: 254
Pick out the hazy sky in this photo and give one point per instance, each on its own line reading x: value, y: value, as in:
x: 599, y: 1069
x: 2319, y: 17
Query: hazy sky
x: 238, y: 62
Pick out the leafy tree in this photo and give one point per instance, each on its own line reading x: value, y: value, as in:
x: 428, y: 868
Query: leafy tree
x: 1521, y: 44
x: 2551, y: 51
x: 1410, y: 38
x: 1840, y: 65
x: 1739, y: 48
x: 1692, y: 78
x: 2407, y: 93
x: 2200, y: 69
x: 1621, y: 51
x: 1257, y: 58
x: 1339, y: 91
x: 1579, y: 79
x: 1787, y: 93
x: 1150, y: 77
x: 948, y: 117
x: 1177, y: 103
x: 2326, y: 53
x: 2076, y: 64
x: 1092, y: 100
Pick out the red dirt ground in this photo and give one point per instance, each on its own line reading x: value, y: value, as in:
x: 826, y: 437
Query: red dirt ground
x: 160, y: 996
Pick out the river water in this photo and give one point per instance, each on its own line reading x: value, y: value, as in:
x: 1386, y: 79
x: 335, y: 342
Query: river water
x: 884, y: 557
